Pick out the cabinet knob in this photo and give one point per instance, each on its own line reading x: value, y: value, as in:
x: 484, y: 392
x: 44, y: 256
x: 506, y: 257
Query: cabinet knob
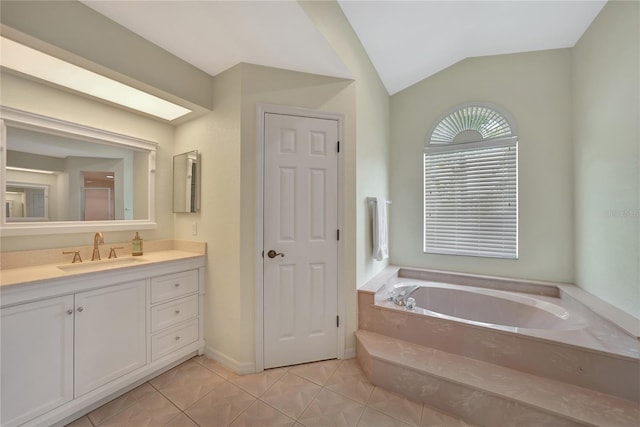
x: 80, y: 309
x: 69, y: 311
x: 177, y: 311
x: 177, y: 285
x: 177, y: 338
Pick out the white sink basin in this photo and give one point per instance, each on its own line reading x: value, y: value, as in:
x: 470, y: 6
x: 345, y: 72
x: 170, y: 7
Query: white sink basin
x: 101, y: 265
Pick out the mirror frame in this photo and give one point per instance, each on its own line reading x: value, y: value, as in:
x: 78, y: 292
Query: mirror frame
x: 10, y: 117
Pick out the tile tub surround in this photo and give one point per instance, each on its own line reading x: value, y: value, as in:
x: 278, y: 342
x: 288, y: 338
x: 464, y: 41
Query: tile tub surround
x: 601, y: 357
x: 201, y: 392
x: 17, y: 268
x: 483, y: 393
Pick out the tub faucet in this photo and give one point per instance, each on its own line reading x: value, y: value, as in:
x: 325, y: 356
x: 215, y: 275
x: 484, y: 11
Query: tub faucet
x: 402, y: 297
x: 97, y: 240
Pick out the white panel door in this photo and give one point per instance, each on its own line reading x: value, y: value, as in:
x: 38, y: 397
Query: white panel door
x: 110, y: 338
x: 300, y: 227
x: 37, y: 358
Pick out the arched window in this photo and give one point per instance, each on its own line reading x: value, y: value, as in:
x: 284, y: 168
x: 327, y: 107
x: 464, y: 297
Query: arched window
x: 471, y: 184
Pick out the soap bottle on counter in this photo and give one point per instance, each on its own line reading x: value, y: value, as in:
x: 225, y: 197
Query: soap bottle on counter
x: 136, y: 245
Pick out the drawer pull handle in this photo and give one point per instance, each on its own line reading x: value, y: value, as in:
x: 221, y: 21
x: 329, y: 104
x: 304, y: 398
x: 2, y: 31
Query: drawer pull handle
x: 178, y: 338
x: 69, y: 312
x: 80, y: 309
x: 177, y: 311
x: 177, y: 285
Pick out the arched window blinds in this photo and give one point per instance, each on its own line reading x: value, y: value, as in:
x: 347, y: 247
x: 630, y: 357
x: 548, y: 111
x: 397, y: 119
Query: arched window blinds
x: 471, y: 184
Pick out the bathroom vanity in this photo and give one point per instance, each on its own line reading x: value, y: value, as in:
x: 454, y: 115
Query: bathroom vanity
x: 76, y: 335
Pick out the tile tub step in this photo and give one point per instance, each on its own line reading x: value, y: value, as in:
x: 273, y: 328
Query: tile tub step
x: 483, y: 393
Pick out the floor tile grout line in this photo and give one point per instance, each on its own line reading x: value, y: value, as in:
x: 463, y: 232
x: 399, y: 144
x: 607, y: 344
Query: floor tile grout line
x: 206, y: 394
x: 295, y: 420
x: 194, y: 421
x: 328, y: 376
x: 391, y: 415
x: 121, y: 409
x: 167, y: 397
x: 366, y: 405
x: 298, y: 376
x: 364, y: 408
x: 321, y: 384
x: 242, y: 412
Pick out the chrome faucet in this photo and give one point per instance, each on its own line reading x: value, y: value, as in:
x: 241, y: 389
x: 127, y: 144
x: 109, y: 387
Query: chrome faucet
x: 402, y: 298
x: 97, y: 240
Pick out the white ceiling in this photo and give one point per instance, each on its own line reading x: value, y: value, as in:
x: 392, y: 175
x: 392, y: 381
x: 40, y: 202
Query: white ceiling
x: 407, y: 41
x: 216, y: 35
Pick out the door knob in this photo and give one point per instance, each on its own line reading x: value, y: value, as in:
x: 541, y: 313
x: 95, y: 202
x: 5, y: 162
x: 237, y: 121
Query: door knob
x: 273, y: 254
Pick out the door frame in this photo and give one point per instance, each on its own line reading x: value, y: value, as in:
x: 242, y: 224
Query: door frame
x: 263, y: 109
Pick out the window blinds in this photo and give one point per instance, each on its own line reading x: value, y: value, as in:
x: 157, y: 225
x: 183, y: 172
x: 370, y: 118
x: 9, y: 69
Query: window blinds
x: 470, y: 199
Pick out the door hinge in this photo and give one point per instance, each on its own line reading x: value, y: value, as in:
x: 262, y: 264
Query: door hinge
x: 338, y: 234
x: 337, y: 321
x: 338, y: 146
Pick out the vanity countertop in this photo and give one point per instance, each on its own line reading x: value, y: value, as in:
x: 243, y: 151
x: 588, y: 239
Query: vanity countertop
x: 21, y: 275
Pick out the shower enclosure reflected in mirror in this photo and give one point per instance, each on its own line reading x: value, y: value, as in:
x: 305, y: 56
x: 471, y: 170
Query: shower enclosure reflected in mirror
x: 26, y: 202
x: 186, y: 182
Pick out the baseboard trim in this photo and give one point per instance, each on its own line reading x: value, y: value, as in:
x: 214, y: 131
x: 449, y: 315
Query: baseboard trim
x: 349, y: 353
x: 244, y: 368
x: 240, y: 368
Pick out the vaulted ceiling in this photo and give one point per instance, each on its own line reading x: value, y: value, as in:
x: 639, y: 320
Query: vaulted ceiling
x: 406, y: 41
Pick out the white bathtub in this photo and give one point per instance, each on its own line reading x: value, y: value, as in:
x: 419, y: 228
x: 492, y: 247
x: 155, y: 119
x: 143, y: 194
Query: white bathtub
x: 490, y: 308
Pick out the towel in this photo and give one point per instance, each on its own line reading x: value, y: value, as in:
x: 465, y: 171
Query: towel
x: 380, y: 230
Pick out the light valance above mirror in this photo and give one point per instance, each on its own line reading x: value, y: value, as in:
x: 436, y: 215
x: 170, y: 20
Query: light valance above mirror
x: 87, y: 178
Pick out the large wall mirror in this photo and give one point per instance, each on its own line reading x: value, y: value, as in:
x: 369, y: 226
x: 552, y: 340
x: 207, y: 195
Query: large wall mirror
x: 60, y: 177
x: 186, y: 182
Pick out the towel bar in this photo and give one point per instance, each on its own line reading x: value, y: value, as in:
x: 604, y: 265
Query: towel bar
x: 373, y: 199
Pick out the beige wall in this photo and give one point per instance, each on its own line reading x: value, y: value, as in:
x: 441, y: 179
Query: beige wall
x: 227, y: 218
x: 372, y: 129
x: 536, y: 89
x: 30, y: 96
x: 217, y: 138
x: 226, y: 139
x: 606, y: 121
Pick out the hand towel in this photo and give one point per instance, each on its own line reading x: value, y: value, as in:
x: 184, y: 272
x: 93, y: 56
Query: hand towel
x: 380, y: 230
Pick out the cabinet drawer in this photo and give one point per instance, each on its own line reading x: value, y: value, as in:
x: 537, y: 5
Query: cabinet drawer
x: 166, y: 342
x: 173, y: 312
x: 173, y: 285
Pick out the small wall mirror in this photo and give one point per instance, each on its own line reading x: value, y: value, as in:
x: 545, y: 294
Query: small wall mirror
x: 186, y: 182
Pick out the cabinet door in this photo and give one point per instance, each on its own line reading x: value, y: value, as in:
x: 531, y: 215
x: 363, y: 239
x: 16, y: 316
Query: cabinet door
x: 36, y: 342
x: 110, y: 334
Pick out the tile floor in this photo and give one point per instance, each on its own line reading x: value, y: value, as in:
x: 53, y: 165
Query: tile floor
x: 201, y: 392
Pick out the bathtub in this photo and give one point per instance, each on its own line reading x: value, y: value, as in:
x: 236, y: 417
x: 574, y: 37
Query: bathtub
x: 547, y: 329
x: 491, y: 308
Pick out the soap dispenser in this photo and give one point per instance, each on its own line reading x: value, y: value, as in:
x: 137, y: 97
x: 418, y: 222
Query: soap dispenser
x: 136, y: 245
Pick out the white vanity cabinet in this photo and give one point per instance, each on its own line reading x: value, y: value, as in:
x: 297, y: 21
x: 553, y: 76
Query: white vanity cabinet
x: 109, y: 334
x: 69, y: 345
x: 37, y: 358
x: 174, y: 312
